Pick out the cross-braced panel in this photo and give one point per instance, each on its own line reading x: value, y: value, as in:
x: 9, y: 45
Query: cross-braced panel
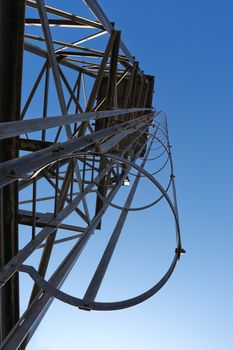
x: 83, y: 138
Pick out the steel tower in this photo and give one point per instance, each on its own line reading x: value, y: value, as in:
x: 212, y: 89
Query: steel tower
x: 85, y: 131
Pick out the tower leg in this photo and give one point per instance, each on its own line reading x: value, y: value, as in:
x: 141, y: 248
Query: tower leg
x: 12, y: 14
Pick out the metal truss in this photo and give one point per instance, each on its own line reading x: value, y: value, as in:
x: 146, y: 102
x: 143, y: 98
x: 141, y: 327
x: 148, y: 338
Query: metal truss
x: 86, y: 130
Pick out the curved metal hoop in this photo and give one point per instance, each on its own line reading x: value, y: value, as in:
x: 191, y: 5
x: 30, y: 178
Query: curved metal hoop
x: 156, y: 148
x: 165, y: 163
x: 136, y: 208
x: 157, y: 157
x: 107, y: 306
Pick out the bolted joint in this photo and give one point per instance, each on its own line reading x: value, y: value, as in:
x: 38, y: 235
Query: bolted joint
x: 85, y: 307
x: 180, y: 251
x: 58, y: 148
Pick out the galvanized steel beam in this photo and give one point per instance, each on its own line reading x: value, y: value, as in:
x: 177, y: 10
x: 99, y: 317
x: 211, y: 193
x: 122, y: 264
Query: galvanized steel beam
x: 72, y: 154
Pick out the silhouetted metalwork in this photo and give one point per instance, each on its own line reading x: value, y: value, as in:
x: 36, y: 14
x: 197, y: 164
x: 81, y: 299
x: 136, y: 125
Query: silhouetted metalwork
x: 103, y: 133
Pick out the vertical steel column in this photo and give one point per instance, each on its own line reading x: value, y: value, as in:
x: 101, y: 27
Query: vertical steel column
x: 12, y: 14
x: 100, y: 124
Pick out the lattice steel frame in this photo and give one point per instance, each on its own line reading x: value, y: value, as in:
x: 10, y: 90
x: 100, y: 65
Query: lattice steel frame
x: 95, y: 158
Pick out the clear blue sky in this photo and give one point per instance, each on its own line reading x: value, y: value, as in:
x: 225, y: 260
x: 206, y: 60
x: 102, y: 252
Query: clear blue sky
x: 188, y: 46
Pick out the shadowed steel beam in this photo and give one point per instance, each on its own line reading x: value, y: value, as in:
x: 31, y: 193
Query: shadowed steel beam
x: 52, y: 56
x: 113, y: 72
x: 38, y: 308
x: 99, y: 77
x: 46, y: 96
x: 77, y: 210
x: 89, y: 37
x: 11, y: 267
x: 51, y: 238
x: 36, y: 311
x: 100, y: 124
x: 90, y: 156
x: 58, y: 274
x: 67, y: 15
x: 65, y: 239
x: 47, y: 251
x: 142, y: 82
x: 122, y: 77
x: 75, y: 100
x: 96, y: 281
x: 56, y: 23
x: 11, y: 56
x: 115, y: 140
x: 55, y: 69
x: 83, y: 49
x: 32, y: 93
x: 15, y: 128
x: 42, y: 220
x: 39, y: 51
x: 11, y: 170
x: 96, y: 86
x: 100, y: 15
x: 130, y: 85
x: 23, y: 254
